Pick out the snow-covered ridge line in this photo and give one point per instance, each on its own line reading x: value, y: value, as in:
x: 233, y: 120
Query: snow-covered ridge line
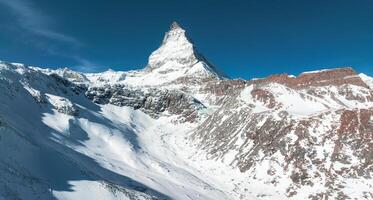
x: 324, y: 70
x: 338, y: 76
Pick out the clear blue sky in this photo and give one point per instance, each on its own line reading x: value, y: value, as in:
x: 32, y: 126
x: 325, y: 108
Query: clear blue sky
x: 243, y: 38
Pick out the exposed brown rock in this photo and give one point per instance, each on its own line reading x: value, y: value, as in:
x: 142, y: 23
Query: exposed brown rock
x: 336, y: 77
x: 264, y: 96
x: 349, y: 122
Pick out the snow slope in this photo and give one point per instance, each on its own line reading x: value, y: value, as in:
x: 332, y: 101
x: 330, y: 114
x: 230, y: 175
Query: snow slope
x: 367, y: 79
x: 98, y: 151
x: 56, y: 143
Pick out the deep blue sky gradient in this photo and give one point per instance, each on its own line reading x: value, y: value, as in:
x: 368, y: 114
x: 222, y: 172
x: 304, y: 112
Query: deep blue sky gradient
x: 242, y: 38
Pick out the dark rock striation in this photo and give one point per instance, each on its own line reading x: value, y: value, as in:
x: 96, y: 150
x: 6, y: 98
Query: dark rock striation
x: 150, y: 100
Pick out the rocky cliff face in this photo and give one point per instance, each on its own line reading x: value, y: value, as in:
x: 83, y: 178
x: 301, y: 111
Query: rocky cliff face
x: 305, y: 131
x: 152, y: 101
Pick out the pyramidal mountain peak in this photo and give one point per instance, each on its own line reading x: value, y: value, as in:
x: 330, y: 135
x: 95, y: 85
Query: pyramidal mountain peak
x: 175, y: 46
x: 178, y: 55
x: 176, y: 62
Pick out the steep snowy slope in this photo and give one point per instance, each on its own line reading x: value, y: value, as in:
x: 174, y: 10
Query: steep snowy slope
x: 280, y: 137
x: 367, y: 79
x: 56, y: 143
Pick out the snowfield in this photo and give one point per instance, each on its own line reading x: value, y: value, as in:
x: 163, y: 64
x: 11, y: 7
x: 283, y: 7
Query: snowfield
x: 101, y: 142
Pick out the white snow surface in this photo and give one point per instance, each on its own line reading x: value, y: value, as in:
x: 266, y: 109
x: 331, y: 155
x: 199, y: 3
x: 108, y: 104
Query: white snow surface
x: 106, y: 152
x: 303, y: 104
x: 367, y: 79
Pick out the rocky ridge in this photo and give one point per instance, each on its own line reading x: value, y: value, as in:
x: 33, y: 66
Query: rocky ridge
x: 314, y: 129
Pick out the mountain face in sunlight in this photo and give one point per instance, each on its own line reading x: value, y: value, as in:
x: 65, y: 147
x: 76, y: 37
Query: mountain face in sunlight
x: 180, y: 129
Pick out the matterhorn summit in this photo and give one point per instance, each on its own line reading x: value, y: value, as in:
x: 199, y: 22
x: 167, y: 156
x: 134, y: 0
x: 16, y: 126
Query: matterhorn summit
x: 176, y: 47
x: 175, y: 63
x: 177, y: 57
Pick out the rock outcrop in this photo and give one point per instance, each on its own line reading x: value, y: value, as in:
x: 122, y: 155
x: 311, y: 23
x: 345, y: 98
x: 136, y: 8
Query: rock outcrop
x: 152, y: 101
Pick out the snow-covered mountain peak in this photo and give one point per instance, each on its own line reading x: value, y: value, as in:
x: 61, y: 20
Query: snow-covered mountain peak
x: 176, y: 33
x: 175, y: 47
x: 175, y: 62
x: 178, y: 58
